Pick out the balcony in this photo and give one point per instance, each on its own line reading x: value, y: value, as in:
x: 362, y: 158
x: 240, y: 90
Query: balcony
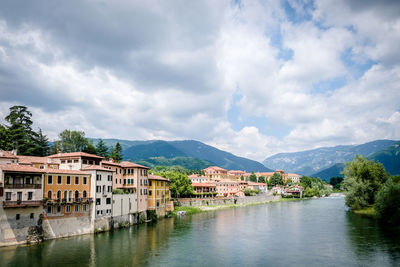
x: 25, y: 186
x: 64, y: 201
x: 22, y: 204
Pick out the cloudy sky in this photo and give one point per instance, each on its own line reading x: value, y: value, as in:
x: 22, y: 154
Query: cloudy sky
x: 250, y: 77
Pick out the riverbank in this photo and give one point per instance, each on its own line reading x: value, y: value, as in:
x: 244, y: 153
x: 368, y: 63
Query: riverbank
x: 205, y: 208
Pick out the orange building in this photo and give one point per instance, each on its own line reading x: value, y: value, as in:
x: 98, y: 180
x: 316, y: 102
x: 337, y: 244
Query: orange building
x: 67, y: 193
x: 159, y: 198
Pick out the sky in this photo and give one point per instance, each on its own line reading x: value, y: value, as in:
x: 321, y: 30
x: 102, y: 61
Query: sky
x: 253, y: 78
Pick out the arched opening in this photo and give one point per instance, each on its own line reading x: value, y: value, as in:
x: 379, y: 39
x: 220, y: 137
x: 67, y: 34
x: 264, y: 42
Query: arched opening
x: 65, y: 195
x: 58, y: 194
x: 76, y: 194
x: 84, y: 194
x: 49, y: 194
x: 70, y: 195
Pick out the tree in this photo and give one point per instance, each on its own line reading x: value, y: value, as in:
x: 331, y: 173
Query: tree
x: 19, y: 133
x: 116, y: 153
x: 336, y: 182
x: 253, y: 177
x: 362, y: 179
x: 261, y: 179
x: 41, y: 144
x: 101, y: 148
x: 387, y: 203
x: 71, y: 141
x: 90, y: 148
x: 276, y: 179
x: 289, y: 181
x: 180, y: 185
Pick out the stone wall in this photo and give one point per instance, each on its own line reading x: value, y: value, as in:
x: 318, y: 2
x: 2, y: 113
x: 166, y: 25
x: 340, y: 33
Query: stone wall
x: 186, y: 202
x: 64, y: 227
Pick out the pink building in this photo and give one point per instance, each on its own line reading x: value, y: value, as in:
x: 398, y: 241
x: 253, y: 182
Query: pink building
x: 227, y: 187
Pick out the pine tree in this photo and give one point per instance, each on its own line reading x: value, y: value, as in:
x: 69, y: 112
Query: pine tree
x: 102, y: 149
x: 116, y: 153
x: 41, y: 144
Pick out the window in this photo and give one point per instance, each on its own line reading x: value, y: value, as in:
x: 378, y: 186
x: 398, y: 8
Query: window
x: 76, y: 161
x: 32, y: 216
x: 110, y: 189
x: 98, y: 189
x: 98, y: 201
x: 68, y: 208
x: 108, y: 200
x: 150, y: 192
x: 84, y: 194
x: 84, y: 161
x: 17, y: 216
x: 63, y: 161
x: 116, y: 181
x: 28, y: 180
x: 141, y: 182
x: 150, y: 183
x: 98, y: 177
x: 58, y: 209
x: 120, y: 181
x: 140, y: 191
x: 76, y: 194
x: 76, y: 208
x: 49, y: 194
x: 84, y: 207
x: 50, y: 179
x: 59, y: 179
x: 110, y: 178
x: 49, y: 209
x: 76, y: 179
x: 69, y: 161
x: 84, y: 180
x: 124, y: 181
x: 30, y: 195
x: 68, y: 179
x: 8, y: 195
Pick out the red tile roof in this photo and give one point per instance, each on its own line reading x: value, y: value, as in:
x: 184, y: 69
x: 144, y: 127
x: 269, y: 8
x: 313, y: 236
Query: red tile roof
x: 7, y: 154
x: 75, y: 154
x: 132, y: 165
x: 20, y: 168
x: 106, y: 162
x: 204, y: 185
x: 60, y: 171
x: 156, y: 177
x: 96, y: 168
x: 31, y: 159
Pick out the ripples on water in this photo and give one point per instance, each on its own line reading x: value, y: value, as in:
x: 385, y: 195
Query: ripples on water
x: 316, y: 232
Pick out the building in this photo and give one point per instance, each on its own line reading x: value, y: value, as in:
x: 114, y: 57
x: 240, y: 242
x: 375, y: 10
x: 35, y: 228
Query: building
x: 215, y: 172
x: 21, y: 204
x: 8, y: 157
x: 227, y: 187
x: 236, y: 174
x: 76, y: 160
x: 100, y: 189
x: 196, y: 178
x: 294, y: 177
x: 204, y: 190
x: 258, y: 186
x: 159, y: 197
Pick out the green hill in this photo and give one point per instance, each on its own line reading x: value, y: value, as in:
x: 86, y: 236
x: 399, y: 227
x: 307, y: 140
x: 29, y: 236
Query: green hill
x: 190, y: 153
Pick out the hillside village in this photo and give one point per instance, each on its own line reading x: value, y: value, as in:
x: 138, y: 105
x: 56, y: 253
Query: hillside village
x: 76, y: 193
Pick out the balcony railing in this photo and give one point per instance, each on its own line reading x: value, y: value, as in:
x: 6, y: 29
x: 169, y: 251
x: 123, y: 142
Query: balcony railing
x: 83, y: 200
x: 28, y: 186
x: 22, y: 204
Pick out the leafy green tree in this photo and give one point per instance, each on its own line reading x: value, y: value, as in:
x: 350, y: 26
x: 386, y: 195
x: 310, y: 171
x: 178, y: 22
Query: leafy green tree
x: 276, y: 179
x: 4, y: 142
x: 253, y: 177
x: 289, y: 181
x: 336, y: 182
x: 180, y: 185
x: 101, y: 148
x: 90, y: 148
x: 242, y: 178
x: 261, y: 179
x: 116, y: 153
x: 70, y: 141
x: 387, y: 203
x: 363, y: 179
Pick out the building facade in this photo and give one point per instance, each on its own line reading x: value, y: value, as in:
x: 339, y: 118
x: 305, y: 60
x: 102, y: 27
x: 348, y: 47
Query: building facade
x: 159, y: 195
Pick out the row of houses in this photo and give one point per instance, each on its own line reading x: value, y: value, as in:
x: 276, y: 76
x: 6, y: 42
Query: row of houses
x: 218, y: 182
x: 72, y: 193
x: 215, y: 173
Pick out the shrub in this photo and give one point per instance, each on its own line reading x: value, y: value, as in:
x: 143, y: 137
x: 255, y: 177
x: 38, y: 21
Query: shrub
x: 387, y: 202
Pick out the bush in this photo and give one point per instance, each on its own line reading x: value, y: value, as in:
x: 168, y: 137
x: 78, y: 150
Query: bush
x: 118, y: 191
x: 152, y: 215
x: 142, y: 218
x: 387, y: 202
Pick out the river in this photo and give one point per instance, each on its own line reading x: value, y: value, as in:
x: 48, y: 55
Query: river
x: 316, y: 232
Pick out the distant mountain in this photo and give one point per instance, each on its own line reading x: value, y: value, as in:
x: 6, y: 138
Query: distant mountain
x: 197, y: 154
x: 313, y: 161
x: 328, y: 173
x: 186, y: 162
x: 389, y: 157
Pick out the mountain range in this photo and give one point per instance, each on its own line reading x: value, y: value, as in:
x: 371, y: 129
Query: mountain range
x: 188, y: 153
x: 327, y: 162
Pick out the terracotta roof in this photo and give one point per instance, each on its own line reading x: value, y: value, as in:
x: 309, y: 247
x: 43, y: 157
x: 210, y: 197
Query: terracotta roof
x: 7, y: 154
x: 204, y: 184
x: 75, y: 154
x: 293, y: 174
x: 31, y: 159
x: 132, y: 165
x: 215, y: 168
x: 20, y: 168
x: 227, y: 181
x: 156, y: 177
x: 194, y: 176
x: 95, y: 168
x: 260, y: 184
x: 56, y: 171
x: 264, y: 173
x: 106, y: 162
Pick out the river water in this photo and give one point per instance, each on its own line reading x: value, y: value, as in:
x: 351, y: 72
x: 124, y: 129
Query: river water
x: 316, y: 232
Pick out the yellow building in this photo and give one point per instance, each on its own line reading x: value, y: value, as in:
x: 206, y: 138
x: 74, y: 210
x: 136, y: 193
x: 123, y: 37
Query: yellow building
x: 159, y: 198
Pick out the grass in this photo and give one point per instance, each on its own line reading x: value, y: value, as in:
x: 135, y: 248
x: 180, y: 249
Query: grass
x: 369, y: 211
x: 189, y: 210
